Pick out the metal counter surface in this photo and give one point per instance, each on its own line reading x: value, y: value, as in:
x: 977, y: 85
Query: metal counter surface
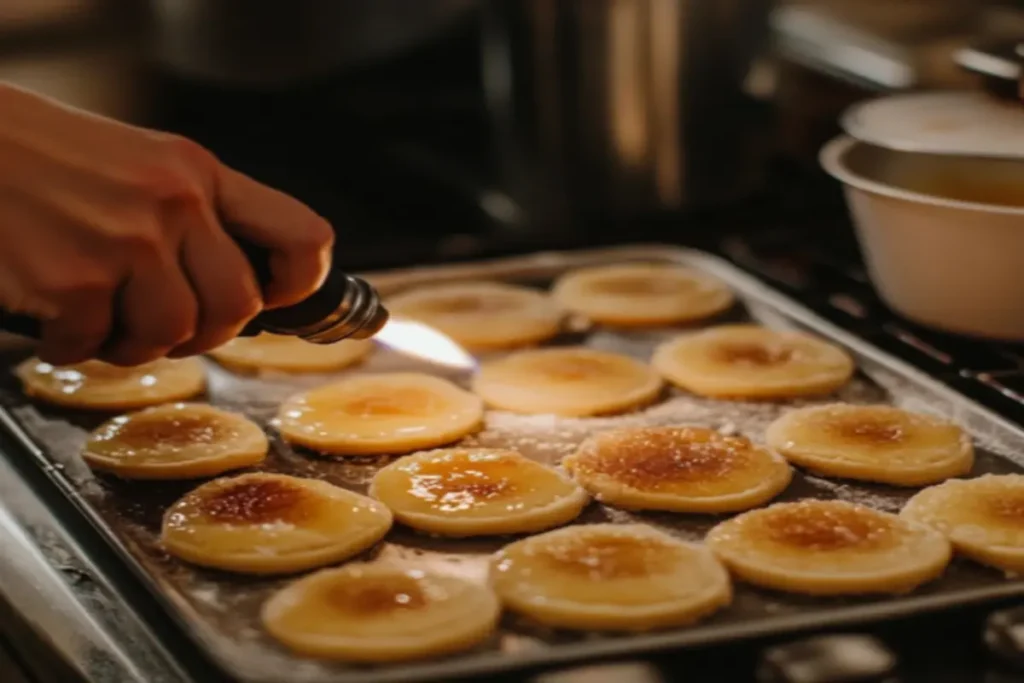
x: 48, y: 579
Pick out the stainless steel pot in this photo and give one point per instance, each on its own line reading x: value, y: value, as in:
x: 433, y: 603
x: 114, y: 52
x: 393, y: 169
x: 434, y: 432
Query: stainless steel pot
x: 625, y: 106
x: 269, y: 42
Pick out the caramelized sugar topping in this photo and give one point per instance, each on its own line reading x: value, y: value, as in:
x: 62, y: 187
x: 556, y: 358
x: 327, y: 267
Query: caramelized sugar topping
x: 371, y: 596
x: 409, y: 402
x: 751, y: 353
x: 172, y: 430
x: 869, y: 428
x: 257, y: 501
x: 572, y: 368
x: 1007, y: 505
x: 606, y: 556
x: 640, y: 285
x: 824, y: 526
x: 648, y: 458
x: 461, y: 482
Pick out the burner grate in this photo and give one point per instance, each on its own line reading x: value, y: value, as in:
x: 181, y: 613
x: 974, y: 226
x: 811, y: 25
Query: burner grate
x: 825, y: 273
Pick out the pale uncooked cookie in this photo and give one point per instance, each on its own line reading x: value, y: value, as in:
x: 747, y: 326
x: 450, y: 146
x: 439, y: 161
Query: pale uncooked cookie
x: 482, y: 316
x: 753, y: 362
x: 388, y: 413
x: 290, y: 354
x: 569, y: 381
x: 642, y: 294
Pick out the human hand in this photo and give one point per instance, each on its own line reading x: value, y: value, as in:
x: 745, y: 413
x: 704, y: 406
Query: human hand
x: 122, y: 240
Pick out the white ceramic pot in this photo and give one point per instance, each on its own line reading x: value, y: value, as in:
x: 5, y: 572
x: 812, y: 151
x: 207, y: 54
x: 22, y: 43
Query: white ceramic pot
x: 942, y: 236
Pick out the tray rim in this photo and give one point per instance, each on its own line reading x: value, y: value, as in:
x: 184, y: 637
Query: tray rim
x: 491, y: 662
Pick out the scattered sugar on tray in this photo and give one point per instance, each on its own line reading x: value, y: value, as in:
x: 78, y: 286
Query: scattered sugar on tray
x: 470, y: 566
x: 638, y: 344
x: 577, y: 324
x: 619, y: 516
x: 666, y: 523
x: 729, y: 429
x: 859, y: 494
x: 209, y: 595
x: 65, y: 442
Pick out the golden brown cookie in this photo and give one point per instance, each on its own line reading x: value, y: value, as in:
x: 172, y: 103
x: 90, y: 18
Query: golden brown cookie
x: 679, y: 469
x: 872, y: 443
x: 374, y: 613
x: 477, y: 492
x: 176, y: 441
x: 264, y: 523
x: 821, y: 547
x: 982, y: 517
x: 627, y: 577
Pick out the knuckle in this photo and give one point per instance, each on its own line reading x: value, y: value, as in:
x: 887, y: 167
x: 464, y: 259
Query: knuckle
x: 188, y: 152
x: 69, y: 282
x: 316, y: 234
x: 179, y: 169
x: 159, y: 181
x: 243, y: 309
x: 176, y: 328
x: 230, y: 315
x: 145, y: 238
x: 98, y: 282
x: 182, y: 328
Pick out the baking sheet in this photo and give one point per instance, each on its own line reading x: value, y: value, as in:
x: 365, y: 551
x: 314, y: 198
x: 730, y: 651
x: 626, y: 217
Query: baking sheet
x: 219, y: 611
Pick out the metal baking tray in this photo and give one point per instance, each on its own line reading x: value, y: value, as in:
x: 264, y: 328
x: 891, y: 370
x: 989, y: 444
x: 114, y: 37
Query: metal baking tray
x: 219, y: 611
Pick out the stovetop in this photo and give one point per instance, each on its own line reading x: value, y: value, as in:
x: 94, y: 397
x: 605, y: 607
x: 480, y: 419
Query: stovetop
x: 399, y: 160
x: 822, y: 269
x: 405, y: 176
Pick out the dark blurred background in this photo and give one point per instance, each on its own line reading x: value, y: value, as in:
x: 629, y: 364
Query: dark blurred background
x: 441, y: 129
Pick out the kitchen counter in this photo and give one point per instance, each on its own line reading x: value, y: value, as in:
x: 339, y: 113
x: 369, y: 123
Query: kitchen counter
x: 63, y: 616
x: 55, y: 601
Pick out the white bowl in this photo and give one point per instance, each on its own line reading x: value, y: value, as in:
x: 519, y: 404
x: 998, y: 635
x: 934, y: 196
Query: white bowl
x: 941, y: 236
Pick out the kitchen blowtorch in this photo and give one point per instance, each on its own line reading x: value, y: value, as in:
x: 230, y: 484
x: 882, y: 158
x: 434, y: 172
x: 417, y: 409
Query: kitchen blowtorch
x: 344, y: 307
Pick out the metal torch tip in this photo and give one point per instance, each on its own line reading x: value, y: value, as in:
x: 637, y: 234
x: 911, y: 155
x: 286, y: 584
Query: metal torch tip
x: 373, y: 324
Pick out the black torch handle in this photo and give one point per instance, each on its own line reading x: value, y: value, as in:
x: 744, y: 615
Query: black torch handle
x: 23, y: 325
x: 27, y: 326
